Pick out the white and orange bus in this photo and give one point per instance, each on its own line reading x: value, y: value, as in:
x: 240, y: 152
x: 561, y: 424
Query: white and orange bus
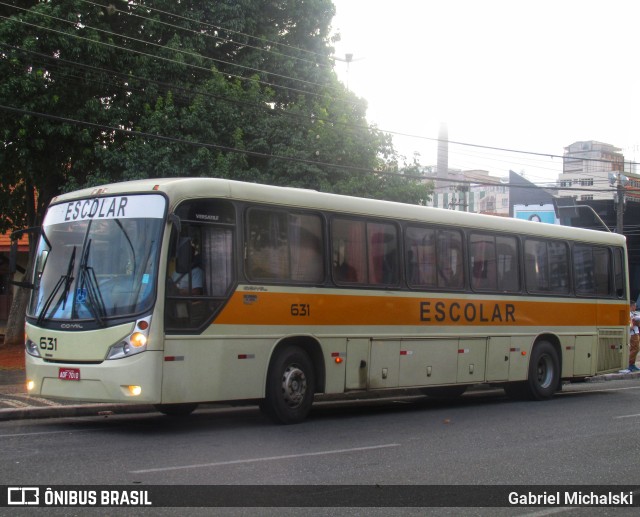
x: 180, y: 291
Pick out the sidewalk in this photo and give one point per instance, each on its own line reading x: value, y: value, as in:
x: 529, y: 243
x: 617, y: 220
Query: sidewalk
x: 16, y: 404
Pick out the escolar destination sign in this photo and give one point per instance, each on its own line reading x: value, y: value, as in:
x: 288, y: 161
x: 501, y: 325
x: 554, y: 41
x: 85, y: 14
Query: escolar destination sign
x: 113, y: 207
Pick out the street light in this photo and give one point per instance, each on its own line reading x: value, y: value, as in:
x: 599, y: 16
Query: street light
x: 348, y: 58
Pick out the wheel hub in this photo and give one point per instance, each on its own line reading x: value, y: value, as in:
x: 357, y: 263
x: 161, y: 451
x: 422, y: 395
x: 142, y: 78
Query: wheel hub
x: 294, y: 386
x: 545, y: 371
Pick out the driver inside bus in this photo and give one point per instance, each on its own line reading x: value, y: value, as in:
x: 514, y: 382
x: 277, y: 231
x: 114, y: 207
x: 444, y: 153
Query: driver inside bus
x: 193, y: 277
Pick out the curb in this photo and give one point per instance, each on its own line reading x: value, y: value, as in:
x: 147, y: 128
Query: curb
x: 613, y: 377
x: 104, y: 410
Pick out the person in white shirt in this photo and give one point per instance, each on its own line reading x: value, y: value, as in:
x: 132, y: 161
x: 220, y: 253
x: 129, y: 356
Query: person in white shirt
x: 634, y: 337
x: 181, y: 281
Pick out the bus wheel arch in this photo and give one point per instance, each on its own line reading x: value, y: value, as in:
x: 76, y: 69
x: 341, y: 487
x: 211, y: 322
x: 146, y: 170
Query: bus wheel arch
x: 544, y: 372
x: 295, y: 373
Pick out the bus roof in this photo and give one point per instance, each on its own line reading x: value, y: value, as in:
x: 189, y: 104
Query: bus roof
x: 181, y: 189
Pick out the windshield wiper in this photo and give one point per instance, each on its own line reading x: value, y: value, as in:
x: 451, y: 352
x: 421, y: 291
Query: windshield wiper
x: 67, y: 280
x: 94, y: 296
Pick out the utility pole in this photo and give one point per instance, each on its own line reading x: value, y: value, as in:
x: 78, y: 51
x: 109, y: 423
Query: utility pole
x: 620, y: 202
x: 620, y: 181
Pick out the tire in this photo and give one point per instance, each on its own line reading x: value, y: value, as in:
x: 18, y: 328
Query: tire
x: 290, y: 386
x: 444, y: 392
x: 176, y: 410
x: 543, y: 377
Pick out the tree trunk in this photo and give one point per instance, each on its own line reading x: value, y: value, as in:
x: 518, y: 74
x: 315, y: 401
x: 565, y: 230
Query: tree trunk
x: 14, y: 333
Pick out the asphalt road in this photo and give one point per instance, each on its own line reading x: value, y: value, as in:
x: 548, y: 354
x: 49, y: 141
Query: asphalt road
x: 586, y: 435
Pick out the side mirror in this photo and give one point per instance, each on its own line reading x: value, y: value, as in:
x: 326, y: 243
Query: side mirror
x: 13, y: 255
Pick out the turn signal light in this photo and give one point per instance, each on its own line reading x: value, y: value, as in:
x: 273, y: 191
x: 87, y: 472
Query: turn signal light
x: 138, y: 339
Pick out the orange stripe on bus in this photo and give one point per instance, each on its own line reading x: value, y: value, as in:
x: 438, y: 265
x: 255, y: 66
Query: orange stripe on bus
x: 271, y: 308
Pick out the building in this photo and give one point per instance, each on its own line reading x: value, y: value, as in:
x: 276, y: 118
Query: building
x: 587, y: 170
x: 470, y: 191
x: 523, y: 193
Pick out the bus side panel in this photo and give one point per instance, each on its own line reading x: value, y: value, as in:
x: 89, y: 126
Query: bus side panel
x: 498, y: 356
x: 336, y: 364
x: 472, y: 354
x: 385, y: 364
x: 197, y: 369
x: 428, y: 362
x: 519, y: 357
x: 582, y: 360
x: 357, y: 364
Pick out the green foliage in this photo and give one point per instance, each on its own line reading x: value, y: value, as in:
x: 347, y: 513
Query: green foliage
x: 240, y: 89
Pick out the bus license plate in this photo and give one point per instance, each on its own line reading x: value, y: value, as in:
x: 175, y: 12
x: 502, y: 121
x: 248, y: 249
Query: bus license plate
x: 69, y: 374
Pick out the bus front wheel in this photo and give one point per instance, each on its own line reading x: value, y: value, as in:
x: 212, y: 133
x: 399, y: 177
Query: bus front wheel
x: 543, y: 376
x: 290, y: 386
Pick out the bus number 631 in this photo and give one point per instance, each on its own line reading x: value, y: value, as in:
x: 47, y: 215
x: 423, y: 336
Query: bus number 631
x: 49, y: 343
x: 300, y: 309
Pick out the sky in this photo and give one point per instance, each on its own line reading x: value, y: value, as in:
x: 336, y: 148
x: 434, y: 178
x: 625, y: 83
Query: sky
x: 533, y: 76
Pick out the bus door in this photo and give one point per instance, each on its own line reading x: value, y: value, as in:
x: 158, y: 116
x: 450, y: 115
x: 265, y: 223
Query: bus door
x: 200, y: 274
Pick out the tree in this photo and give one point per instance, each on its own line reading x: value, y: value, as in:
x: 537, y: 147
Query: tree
x: 99, y: 92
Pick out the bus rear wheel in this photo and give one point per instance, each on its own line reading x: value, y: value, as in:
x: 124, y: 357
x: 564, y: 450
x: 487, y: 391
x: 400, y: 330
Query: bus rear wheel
x: 544, y: 375
x: 290, y: 386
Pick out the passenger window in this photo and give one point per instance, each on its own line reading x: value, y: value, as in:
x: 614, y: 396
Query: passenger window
x: 619, y: 272
x: 546, y: 266
x: 591, y: 270
x: 421, y: 257
x: 494, y: 263
x: 508, y: 264
x: 482, y: 252
x: 449, y: 259
x: 284, y: 246
x: 349, y: 252
x: 383, y: 254
x: 434, y: 258
x: 364, y: 253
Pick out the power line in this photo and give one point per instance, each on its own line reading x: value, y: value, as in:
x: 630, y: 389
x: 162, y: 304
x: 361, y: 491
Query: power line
x: 261, y: 155
x: 501, y: 149
x: 184, y: 52
x: 155, y: 136
x: 190, y: 93
x: 217, y: 28
x: 189, y: 65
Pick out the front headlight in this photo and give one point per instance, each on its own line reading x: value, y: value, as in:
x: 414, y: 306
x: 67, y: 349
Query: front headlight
x: 31, y: 348
x: 133, y: 344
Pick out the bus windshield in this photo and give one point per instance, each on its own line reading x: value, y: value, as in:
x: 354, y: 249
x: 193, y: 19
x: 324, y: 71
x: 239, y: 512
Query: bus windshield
x: 103, y: 262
